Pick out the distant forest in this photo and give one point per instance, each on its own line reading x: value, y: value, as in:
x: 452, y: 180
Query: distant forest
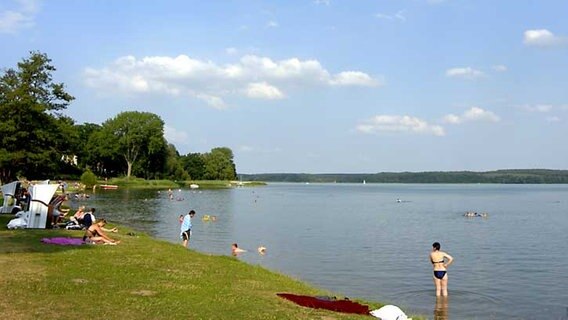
x: 513, y: 176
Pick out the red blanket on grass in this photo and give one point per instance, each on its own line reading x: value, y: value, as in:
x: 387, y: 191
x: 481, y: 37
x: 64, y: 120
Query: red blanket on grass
x: 345, y: 306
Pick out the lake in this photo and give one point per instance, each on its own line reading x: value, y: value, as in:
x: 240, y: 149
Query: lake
x: 357, y: 240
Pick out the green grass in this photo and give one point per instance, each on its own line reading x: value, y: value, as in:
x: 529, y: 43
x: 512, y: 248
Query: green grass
x: 141, y: 183
x: 141, y: 278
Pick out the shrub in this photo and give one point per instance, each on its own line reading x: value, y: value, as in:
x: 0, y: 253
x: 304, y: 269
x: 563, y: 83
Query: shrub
x: 88, y: 178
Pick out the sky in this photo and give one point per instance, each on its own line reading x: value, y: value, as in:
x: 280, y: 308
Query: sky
x: 317, y: 86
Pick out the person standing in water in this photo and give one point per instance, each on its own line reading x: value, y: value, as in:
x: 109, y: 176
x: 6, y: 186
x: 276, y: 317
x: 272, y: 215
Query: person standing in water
x: 440, y: 261
x: 186, y: 228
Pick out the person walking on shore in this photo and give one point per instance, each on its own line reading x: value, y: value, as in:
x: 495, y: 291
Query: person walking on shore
x: 440, y: 261
x: 186, y: 228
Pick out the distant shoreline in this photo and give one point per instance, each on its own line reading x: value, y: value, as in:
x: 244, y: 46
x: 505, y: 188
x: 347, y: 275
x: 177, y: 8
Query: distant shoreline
x: 508, y: 176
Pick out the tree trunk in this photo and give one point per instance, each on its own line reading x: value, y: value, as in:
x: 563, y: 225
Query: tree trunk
x: 129, y: 169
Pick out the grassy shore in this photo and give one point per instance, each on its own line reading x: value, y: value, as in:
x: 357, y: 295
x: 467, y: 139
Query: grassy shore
x: 141, y: 278
x: 164, y: 184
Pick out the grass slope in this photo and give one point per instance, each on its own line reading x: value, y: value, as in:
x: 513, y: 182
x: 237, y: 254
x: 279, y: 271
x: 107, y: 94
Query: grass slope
x: 142, y: 278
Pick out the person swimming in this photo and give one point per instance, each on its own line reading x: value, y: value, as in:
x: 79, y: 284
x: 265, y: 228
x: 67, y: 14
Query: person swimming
x: 235, y: 250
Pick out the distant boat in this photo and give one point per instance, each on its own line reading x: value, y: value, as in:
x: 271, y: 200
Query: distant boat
x: 364, y: 182
x: 194, y: 186
x: 108, y: 186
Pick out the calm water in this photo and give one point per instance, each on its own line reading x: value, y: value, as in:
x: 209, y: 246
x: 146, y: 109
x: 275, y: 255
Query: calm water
x: 357, y: 241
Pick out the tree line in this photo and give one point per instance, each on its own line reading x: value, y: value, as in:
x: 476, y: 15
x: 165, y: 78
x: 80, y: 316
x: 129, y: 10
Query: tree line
x: 37, y: 141
x: 511, y: 176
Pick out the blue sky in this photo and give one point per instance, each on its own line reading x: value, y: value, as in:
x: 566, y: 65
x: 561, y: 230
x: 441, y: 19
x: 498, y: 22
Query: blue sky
x: 318, y: 86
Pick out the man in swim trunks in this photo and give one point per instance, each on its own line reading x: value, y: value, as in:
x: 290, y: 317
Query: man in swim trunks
x: 440, y: 261
x: 186, y: 228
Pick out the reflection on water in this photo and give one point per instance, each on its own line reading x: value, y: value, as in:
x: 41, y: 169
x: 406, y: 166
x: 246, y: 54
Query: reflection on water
x: 441, y: 308
x: 357, y: 240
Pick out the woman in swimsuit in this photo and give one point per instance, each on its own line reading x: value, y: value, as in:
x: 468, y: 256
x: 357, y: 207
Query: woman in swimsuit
x: 440, y: 261
x: 95, y: 233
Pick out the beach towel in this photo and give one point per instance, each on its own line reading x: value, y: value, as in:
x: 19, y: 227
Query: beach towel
x: 328, y: 303
x: 62, y: 241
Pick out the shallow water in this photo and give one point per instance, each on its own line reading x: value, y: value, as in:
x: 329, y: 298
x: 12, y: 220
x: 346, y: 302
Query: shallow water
x: 357, y: 240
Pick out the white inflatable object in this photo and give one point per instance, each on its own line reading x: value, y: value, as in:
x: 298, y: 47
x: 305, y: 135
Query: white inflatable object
x: 389, y: 312
x: 18, y: 223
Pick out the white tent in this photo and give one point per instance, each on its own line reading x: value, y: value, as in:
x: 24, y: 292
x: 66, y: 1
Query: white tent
x: 9, y: 193
x: 41, y: 194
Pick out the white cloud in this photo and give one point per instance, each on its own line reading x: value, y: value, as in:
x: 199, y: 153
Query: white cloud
x: 464, y: 73
x: 397, y: 16
x: 473, y: 114
x: 21, y: 17
x: 212, y: 101
x: 231, y: 51
x: 245, y: 148
x: 262, y: 90
x: 435, y: 1
x: 354, y: 78
x: 553, y: 119
x: 543, y: 38
x: 175, y: 136
x: 499, y: 68
x: 394, y: 123
x: 324, y: 2
x: 203, y: 79
x: 272, y: 24
x: 537, y: 108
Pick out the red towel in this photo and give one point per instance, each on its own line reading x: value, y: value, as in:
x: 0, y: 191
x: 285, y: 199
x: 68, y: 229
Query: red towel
x: 345, y: 306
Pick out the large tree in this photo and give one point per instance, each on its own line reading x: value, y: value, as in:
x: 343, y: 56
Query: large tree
x: 219, y: 164
x: 32, y: 129
x: 136, y: 136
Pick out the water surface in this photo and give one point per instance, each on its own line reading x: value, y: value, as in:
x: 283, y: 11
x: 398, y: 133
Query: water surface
x: 357, y: 240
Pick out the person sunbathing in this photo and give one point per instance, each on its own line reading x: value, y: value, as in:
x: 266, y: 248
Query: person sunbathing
x: 95, y: 234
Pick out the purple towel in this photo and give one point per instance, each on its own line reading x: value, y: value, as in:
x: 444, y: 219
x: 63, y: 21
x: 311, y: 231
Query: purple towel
x: 63, y: 241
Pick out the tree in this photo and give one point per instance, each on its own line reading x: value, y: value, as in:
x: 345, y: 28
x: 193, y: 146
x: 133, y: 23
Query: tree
x: 136, y: 136
x: 32, y: 128
x: 88, y: 178
x: 194, y: 164
x: 219, y: 164
x: 174, y: 168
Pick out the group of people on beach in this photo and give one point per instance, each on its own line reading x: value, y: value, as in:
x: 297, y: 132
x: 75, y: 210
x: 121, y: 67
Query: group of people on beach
x: 82, y: 220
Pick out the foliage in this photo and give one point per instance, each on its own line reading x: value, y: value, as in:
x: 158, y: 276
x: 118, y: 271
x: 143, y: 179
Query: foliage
x: 219, y: 164
x: 33, y: 133
x: 138, y: 137
x: 194, y: 165
x: 174, y: 168
x: 88, y: 178
x: 500, y: 176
